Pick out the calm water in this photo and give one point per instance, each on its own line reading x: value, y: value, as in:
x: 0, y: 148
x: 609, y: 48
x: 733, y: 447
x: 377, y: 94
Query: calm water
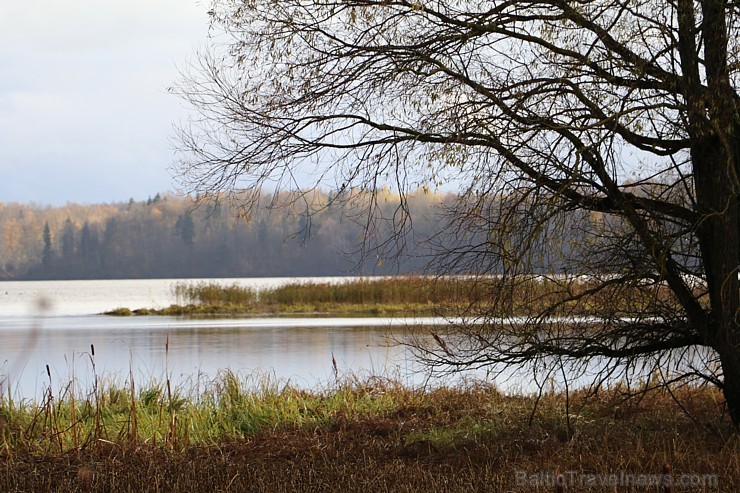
x: 55, y: 323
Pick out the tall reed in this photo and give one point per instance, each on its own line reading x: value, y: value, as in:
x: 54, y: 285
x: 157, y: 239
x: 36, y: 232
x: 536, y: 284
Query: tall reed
x: 365, y: 291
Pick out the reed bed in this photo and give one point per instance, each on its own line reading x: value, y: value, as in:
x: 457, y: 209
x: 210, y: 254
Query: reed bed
x: 417, y: 295
x: 387, y: 290
x: 254, y: 433
x: 365, y: 296
x: 392, y: 290
x: 210, y: 293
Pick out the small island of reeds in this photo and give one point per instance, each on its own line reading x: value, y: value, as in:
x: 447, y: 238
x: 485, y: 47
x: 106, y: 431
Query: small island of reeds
x: 401, y: 296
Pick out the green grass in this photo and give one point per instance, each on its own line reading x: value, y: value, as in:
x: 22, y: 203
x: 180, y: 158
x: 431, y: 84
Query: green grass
x: 256, y: 433
x: 260, y: 434
x: 229, y: 408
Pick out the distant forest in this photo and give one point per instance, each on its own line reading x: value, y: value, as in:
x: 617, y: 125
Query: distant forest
x: 167, y: 237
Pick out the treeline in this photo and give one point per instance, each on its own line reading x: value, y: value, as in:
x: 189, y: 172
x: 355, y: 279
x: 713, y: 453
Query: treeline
x: 167, y: 237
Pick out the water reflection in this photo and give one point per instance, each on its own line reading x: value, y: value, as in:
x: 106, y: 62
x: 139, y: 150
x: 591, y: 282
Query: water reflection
x: 188, y: 351
x: 54, y: 323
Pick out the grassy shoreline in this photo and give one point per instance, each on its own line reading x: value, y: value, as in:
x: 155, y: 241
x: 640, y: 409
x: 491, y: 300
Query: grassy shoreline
x: 402, y: 296
x: 406, y: 296
x: 359, y: 435
x: 356, y: 435
x: 305, y: 310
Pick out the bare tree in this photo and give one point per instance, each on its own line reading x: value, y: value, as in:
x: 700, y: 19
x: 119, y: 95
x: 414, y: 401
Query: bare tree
x: 616, y: 122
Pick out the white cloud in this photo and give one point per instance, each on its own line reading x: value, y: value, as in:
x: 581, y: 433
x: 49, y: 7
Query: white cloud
x: 83, y: 83
x: 81, y: 25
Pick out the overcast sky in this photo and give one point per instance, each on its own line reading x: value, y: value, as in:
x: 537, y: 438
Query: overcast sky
x: 84, y: 112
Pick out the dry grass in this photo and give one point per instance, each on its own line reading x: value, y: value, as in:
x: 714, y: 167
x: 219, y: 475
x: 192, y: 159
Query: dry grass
x: 370, y: 435
x: 364, y: 296
x: 418, y: 295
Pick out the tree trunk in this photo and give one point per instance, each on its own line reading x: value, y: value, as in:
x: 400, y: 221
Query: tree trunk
x: 716, y: 185
x: 730, y: 360
x: 717, y: 201
x: 713, y: 121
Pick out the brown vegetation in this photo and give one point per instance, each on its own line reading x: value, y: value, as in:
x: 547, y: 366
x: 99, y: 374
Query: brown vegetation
x: 412, y: 295
x: 378, y: 436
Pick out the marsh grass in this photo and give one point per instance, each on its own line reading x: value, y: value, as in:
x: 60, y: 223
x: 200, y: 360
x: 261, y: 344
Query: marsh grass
x: 412, y: 295
x: 365, y: 295
x: 255, y: 433
x: 209, y: 293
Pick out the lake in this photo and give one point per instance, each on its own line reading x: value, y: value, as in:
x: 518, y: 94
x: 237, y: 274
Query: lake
x: 57, y: 323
